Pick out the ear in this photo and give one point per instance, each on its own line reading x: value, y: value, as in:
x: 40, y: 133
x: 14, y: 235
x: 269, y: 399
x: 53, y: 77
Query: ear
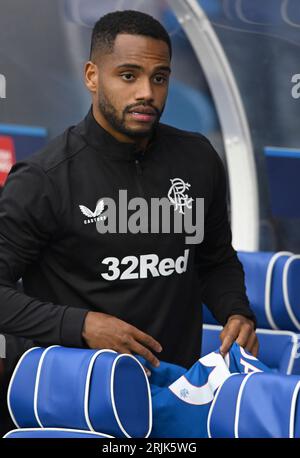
x: 91, y: 76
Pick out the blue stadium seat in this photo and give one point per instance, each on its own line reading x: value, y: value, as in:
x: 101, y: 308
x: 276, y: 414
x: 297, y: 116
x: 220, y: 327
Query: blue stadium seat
x: 273, y: 289
x: 283, y: 168
x: 53, y: 433
x: 257, y: 405
x: 97, y: 390
x: 279, y: 350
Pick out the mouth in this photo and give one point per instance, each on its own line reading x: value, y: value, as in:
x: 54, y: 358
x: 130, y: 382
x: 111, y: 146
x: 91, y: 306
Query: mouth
x: 143, y: 114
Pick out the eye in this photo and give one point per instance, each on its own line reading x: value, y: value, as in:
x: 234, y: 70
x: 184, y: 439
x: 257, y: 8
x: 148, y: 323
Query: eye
x: 160, y: 79
x: 127, y: 76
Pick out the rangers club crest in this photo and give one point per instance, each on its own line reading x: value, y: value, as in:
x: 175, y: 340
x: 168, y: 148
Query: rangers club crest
x: 177, y: 194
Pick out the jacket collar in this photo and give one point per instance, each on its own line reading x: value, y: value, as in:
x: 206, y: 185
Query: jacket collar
x: 101, y: 140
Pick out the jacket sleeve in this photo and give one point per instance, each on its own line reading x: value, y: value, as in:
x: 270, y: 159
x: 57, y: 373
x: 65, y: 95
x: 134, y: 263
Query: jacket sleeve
x: 28, y: 221
x: 221, y: 273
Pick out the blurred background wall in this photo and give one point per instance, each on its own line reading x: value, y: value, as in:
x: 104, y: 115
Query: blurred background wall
x: 44, y: 44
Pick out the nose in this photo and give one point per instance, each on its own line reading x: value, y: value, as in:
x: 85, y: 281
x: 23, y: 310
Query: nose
x: 144, y: 90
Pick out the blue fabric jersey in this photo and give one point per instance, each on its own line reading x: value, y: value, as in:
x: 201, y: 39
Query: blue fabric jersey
x: 181, y: 399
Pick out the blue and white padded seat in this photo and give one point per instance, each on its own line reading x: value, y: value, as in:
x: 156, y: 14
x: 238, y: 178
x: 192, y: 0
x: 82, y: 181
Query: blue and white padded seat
x: 273, y: 288
x: 278, y: 350
x: 89, y: 391
x: 53, y: 433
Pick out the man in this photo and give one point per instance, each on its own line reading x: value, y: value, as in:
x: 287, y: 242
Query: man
x: 132, y: 291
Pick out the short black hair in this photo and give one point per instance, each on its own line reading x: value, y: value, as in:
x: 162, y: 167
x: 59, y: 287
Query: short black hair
x: 132, y: 22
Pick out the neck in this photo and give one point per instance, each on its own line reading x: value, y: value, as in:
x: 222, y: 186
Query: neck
x: 141, y: 143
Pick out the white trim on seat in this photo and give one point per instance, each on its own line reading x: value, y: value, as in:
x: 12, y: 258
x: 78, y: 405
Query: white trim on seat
x: 113, y: 397
x: 238, y: 404
x: 37, y: 382
x: 268, y: 285
x: 286, y: 292
x: 210, y: 412
x: 259, y: 331
x: 87, y: 386
x: 11, y: 384
x: 293, y: 411
x: 58, y: 429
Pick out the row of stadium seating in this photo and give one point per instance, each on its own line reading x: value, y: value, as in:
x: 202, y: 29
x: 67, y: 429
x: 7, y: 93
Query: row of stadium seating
x: 103, y: 394
x: 272, y: 288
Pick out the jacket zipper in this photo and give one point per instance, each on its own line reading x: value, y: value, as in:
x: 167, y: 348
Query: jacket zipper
x: 138, y: 175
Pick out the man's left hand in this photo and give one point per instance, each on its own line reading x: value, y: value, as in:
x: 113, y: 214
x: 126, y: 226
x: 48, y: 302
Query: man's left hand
x: 239, y: 329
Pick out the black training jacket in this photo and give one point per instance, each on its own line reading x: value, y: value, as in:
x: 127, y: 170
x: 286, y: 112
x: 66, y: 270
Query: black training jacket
x: 49, y: 213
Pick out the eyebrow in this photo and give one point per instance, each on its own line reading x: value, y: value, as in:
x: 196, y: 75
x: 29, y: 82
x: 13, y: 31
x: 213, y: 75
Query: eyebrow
x: 138, y: 67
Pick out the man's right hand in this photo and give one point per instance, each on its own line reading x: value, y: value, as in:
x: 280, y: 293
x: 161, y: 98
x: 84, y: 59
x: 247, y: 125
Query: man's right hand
x: 105, y: 331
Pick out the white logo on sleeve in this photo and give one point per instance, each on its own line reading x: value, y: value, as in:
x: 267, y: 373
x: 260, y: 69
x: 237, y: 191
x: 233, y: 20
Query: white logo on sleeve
x: 93, y: 216
x: 176, y: 194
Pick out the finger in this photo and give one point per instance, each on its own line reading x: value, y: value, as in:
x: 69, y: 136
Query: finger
x: 246, y: 331
x: 226, y: 343
x: 126, y: 351
x: 122, y: 349
x: 251, y: 341
x: 139, y: 349
x: 255, y: 349
x: 231, y: 328
x: 228, y: 335
x: 145, y: 339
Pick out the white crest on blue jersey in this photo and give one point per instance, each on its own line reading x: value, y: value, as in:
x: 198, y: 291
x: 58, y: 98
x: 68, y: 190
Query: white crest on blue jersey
x: 204, y: 394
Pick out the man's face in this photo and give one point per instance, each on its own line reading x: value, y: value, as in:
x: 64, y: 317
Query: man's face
x: 132, y: 84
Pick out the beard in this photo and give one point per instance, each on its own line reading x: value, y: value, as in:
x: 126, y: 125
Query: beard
x: 118, y: 121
